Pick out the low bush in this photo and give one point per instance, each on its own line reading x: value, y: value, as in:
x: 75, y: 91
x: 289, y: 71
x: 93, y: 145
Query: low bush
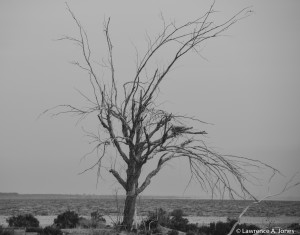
x: 84, y: 223
x: 160, y: 216
x: 34, y: 230
x: 177, y: 213
x: 49, y: 230
x: 192, y: 229
x: 96, y: 221
x: 294, y: 226
x: 23, y: 221
x: 173, y: 232
x: 90, y: 223
x: 177, y: 221
x: 97, y: 216
x: 68, y: 219
x: 5, y: 231
x: 191, y: 233
x: 221, y: 228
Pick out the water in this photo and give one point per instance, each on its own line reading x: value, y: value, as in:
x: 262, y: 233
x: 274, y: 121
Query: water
x: 48, y: 205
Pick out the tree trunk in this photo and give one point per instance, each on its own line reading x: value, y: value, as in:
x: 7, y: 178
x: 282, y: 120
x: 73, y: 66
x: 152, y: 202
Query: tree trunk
x: 129, y: 211
x: 133, y: 174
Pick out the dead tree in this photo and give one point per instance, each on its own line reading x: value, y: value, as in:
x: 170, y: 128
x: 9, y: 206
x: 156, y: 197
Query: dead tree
x: 132, y: 124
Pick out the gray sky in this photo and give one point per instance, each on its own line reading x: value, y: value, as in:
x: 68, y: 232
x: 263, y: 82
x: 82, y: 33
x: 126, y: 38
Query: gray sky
x: 248, y: 88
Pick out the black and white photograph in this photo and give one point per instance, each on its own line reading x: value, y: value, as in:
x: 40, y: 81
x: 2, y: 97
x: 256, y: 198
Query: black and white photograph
x: 149, y: 117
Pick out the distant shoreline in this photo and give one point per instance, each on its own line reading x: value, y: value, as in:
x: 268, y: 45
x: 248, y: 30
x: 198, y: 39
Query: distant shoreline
x: 16, y: 194
x: 3, y: 195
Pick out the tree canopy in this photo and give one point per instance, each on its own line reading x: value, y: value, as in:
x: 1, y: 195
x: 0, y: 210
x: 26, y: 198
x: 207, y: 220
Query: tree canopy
x: 134, y: 125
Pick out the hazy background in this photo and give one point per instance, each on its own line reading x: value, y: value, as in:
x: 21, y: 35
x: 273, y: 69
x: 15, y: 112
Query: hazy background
x: 248, y: 88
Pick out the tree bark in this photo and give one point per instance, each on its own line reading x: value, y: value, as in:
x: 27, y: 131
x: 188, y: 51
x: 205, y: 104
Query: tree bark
x: 129, y: 211
x: 133, y: 174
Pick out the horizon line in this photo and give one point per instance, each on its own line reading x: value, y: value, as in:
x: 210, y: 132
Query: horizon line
x: 288, y: 198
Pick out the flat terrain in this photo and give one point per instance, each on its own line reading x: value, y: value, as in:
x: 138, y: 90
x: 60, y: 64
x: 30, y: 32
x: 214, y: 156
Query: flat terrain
x: 203, y: 212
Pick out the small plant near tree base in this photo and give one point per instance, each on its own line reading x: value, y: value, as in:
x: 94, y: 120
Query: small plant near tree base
x: 173, y: 220
x: 155, y: 218
x: 68, y: 219
x: 97, y: 216
x: 23, y: 221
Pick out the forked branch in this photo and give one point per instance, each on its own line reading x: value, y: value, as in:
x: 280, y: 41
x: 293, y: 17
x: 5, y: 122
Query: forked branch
x: 134, y: 125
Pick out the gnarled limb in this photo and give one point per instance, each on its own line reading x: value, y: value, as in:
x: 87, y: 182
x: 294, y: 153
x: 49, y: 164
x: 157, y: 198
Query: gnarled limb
x: 118, y: 177
x: 139, y: 130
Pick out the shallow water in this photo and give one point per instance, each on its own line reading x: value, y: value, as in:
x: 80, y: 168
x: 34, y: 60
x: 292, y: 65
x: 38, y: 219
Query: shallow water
x: 47, y: 205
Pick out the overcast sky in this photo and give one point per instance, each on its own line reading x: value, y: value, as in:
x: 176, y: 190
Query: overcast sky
x: 248, y: 87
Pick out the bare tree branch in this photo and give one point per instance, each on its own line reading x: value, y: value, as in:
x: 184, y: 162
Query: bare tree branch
x: 118, y: 177
x: 138, y: 130
x: 286, y: 187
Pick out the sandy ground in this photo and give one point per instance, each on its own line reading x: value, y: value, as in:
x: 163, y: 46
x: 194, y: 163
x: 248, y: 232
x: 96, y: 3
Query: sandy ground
x: 259, y: 221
